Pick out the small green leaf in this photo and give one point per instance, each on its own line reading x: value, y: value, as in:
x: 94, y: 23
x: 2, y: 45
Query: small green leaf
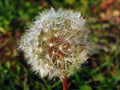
x: 99, y: 77
x: 8, y: 65
x: 70, y: 2
x: 85, y: 87
x: 18, y: 68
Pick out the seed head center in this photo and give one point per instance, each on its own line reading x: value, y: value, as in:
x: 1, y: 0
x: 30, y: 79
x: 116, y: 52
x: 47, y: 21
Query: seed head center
x: 57, y: 47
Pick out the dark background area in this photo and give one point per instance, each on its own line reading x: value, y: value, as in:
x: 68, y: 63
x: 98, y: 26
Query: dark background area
x: 102, y: 70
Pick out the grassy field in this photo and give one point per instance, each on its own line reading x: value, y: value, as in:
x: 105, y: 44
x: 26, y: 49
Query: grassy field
x: 102, y: 70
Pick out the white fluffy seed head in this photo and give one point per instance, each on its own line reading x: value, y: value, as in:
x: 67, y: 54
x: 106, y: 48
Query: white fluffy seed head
x: 56, y: 43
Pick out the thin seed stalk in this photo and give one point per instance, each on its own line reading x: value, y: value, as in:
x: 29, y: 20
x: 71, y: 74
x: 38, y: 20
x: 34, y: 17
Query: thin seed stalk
x: 64, y: 79
x: 64, y: 82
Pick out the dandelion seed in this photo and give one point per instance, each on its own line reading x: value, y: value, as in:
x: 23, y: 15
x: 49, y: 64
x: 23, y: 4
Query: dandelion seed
x: 51, y: 44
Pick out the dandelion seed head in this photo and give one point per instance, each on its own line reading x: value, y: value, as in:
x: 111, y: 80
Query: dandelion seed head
x: 55, y: 43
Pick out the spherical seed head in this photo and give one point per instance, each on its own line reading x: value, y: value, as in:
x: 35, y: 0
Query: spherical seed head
x: 56, y: 43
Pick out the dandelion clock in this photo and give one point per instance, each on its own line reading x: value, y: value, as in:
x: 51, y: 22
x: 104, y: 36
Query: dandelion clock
x: 56, y: 44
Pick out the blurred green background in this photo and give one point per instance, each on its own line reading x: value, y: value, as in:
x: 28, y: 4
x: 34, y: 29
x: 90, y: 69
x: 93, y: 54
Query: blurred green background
x: 101, y: 72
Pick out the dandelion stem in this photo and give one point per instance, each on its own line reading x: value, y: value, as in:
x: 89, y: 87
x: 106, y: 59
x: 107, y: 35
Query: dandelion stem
x: 64, y: 82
